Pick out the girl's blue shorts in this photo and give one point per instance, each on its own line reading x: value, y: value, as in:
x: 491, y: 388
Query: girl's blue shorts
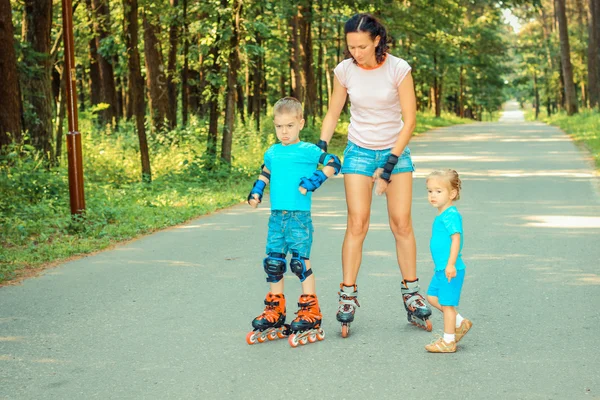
x: 448, y: 294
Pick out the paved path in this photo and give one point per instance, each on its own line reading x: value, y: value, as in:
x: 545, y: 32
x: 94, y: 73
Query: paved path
x: 165, y: 317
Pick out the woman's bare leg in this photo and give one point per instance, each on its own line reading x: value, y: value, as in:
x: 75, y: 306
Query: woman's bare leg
x: 359, y: 189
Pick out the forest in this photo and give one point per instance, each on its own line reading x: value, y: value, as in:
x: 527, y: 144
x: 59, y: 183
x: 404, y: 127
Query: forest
x: 174, y: 97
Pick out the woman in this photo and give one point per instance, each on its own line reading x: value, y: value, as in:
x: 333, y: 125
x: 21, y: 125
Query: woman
x: 382, y: 119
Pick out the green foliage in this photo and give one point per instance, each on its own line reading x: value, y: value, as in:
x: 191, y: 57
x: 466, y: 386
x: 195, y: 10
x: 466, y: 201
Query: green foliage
x: 35, y: 222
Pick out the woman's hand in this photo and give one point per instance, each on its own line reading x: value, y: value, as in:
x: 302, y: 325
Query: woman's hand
x: 380, y: 184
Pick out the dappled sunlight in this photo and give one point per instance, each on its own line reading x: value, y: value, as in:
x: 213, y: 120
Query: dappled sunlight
x: 461, y: 157
x: 384, y: 274
x: 168, y: 263
x: 516, y: 173
x: 330, y: 214
x: 479, y: 257
x: 562, y: 221
x: 11, y: 338
x: 379, y: 253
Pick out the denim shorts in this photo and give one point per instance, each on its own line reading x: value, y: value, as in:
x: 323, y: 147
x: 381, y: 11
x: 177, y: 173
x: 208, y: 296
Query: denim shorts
x: 448, y: 293
x: 290, y: 231
x: 358, y: 160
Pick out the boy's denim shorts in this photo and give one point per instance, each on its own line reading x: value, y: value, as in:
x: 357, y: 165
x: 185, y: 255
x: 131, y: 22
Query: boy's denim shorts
x: 448, y: 293
x: 358, y: 160
x: 290, y: 231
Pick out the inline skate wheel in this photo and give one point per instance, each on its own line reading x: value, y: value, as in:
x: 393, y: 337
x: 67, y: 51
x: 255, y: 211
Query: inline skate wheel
x: 251, y: 338
x: 293, y: 340
x: 345, y: 330
x: 312, y: 337
x: 429, y: 327
x: 321, y: 334
x: 272, y: 335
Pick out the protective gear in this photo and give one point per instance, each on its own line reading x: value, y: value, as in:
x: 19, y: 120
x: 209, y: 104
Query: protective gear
x: 322, y: 145
x: 331, y: 160
x: 314, y: 182
x: 264, y: 173
x: 275, y: 267
x: 258, y: 188
x: 389, y: 167
x: 298, y: 267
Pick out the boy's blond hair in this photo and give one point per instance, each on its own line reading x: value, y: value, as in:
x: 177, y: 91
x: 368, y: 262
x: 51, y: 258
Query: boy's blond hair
x: 451, y: 176
x: 288, y: 105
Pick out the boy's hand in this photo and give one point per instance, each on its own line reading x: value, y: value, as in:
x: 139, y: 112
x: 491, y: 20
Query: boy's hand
x: 450, y: 272
x: 254, y: 201
x: 380, y: 184
x: 302, y: 190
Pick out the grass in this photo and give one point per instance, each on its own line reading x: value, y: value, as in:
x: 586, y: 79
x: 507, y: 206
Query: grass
x: 36, y: 227
x: 583, y: 127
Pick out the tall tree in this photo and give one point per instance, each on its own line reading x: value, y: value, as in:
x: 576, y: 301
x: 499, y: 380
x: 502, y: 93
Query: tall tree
x: 213, y: 97
x: 136, y: 82
x: 11, y: 109
x: 565, y: 53
x: 108, y: 91
x: 233, y: 64
x: 156, y: 77
x: 172, y: 64
x: 594, y: 53
x: 185, y: 89
x: 37, y: 88
x: 306, y: 50
x: 95, y: 81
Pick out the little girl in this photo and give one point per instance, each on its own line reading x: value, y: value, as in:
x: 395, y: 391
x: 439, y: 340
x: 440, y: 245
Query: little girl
x: 443, y: 187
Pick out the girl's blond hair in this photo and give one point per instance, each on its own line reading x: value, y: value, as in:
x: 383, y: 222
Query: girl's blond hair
x: 451, y: 176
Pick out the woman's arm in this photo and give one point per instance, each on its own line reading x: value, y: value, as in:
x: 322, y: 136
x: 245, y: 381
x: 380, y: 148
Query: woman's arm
x: 336, y: 104
x: 408, y: 104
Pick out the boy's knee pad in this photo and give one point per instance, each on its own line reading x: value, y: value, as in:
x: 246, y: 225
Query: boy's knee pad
x: 275, y: 267
x: 298, y: 267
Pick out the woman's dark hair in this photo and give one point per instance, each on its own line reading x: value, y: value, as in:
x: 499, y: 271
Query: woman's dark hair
x: 371, y: 25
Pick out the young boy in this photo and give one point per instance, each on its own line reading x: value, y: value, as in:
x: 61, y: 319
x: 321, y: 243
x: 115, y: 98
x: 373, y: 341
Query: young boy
x: 290, y: 168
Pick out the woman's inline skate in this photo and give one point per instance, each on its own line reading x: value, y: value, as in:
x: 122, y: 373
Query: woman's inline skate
x: 414, y: 303
x: 348, y: 303
x: 306, y: 327
x: 269, y: 325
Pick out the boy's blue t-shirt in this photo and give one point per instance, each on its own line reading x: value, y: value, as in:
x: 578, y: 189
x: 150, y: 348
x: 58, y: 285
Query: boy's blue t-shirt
x: 287, y: 165
x: 446, y: 224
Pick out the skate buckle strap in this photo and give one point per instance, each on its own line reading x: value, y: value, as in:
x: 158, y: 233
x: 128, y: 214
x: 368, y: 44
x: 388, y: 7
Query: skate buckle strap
x: 348, y: 299
x: 415, y: 298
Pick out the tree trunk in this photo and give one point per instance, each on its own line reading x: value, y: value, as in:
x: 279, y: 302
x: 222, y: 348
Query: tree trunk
x: 185, y: 94
x: 295, y: 60
x: 308, y: 60
x: 232, y: 68
x: 11, y: 109
x: 62, y: 108
x: 94, y: 81
x: 563, y: 30
x: 537, y: 95
x: 213, y: 102
x: 156, y: 77
x: 108, y: 91
x: 136, y: 82
x: 37, y: 88
x: 119, y: 83
x: 172, y: 64
x: 320, y: 60
x: 594, y: 53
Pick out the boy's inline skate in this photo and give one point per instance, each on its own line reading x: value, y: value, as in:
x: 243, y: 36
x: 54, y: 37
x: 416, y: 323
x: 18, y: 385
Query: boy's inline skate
x: 269, y: 325
x: 306, y: 327
x: 348, y: 303
x: 414, y: 303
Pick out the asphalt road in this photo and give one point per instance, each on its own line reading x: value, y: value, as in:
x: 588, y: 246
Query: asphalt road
x: 165, y: 316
